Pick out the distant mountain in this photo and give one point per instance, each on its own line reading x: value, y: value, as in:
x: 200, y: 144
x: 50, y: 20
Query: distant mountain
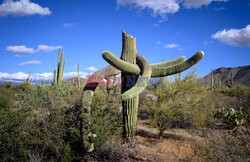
x: 241, y: 75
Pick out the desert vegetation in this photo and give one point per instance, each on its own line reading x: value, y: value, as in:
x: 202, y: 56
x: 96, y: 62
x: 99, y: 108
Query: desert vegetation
x: 132, y: 118
x: 42, y: 122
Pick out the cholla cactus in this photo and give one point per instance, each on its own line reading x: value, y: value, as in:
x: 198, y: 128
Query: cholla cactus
x: 131, y: 65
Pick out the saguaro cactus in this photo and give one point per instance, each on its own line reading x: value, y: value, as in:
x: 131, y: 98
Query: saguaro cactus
x: 78, y: 73
x: 28, y: 79
x: 212, y: 80
x: 55, y: 80
x: 131, y: 65
x: 60, y: 68
x: 230, y: 82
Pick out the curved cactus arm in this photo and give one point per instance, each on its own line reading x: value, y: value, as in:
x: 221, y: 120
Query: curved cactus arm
x: 142, y: 82
x: 124, y: 66
x: 174, y: 69
x: 86, y: 101
x: 170, y: 63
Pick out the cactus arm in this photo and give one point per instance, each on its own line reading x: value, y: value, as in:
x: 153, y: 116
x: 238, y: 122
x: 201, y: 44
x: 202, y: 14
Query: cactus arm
x: 124, y: 66
x: 86, y: 101
x: 169, y: 63
x: 174, y: 69
x: 142, y: 82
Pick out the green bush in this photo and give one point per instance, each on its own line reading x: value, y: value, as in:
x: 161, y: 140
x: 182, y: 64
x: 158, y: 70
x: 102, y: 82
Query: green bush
x: 180, y: 104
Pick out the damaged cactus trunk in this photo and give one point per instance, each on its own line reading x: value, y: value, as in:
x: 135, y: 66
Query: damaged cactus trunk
x: 129, y: 106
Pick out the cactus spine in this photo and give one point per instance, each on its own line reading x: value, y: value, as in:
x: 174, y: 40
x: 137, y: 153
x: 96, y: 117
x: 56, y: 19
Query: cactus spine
x: 131, y: 65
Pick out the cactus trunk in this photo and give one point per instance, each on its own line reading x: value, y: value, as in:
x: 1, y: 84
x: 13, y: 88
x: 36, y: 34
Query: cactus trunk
x: 212, y: 80
x: 130, y: 106
x: 55, y: 80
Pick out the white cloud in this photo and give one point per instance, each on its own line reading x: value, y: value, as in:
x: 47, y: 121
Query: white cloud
x: 30, y: 62
x: 46, y: 48
x: 22, y: 8
x: 37, y: 76
x: 91, y: 68
x: 17, y: 55
x: 21, y: 49
x: 67, y: 25
x: 159, y: 7
x: 25, y: 50
x: 158, y: 42
x: 199, y: 3
x: 171, y: 45
x: 236, y: 37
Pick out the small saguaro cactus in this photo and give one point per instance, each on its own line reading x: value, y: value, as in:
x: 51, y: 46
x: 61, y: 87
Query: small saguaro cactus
x: 60, y: 68
x: 131, y: 65
x: 212, y: 80
x: 230, y: 82
x: 28, y: 79
x: 78, y: 73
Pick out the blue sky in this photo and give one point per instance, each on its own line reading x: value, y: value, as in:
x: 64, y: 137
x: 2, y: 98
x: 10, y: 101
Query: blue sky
x: 31, y: 31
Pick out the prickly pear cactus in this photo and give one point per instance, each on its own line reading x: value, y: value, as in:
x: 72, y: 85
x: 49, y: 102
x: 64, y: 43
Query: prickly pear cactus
x: 131, y: 66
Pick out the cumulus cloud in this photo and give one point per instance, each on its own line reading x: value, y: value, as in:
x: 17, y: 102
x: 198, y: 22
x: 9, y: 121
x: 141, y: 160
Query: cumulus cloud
x: 21, y: 49
x: 236, y: 37
x: 25, y: 50
x: 91, y: 68
x: 159, y: 7
x: 30, y: 62
x: 163, y: 7
x: 22, y: 8
x: 46, y: 48
x: 19, y: 76
x: 172, y: 45
x: 199, y: 3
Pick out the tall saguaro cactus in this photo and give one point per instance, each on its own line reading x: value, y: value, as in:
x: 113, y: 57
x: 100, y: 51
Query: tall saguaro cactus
x: 131, y: 65
x: 60, y: 68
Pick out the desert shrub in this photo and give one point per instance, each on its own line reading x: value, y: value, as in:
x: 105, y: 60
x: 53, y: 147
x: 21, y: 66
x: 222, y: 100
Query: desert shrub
x: 104, y: 122
x: 221, y: 145
x: 180, y: 104
x: 6, y: 98
x: 33, y: 127
x: 235, y: 91
x: 8, y: 85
